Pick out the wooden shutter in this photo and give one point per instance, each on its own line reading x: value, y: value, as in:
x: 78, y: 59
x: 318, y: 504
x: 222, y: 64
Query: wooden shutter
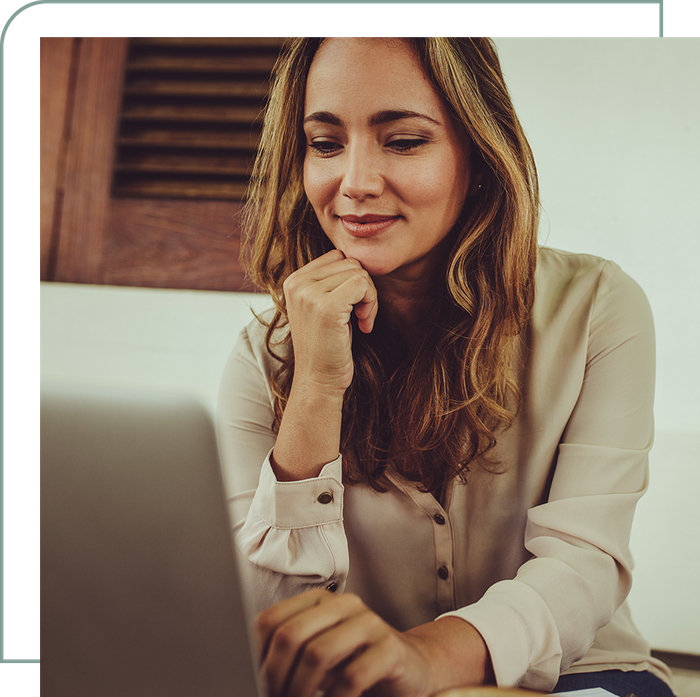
x: 191, y: 116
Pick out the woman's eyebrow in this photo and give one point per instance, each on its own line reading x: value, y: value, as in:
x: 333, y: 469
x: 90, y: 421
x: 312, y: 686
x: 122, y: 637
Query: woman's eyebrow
x: 381, y: 117
x: 324, y: 117
x: 390, y: 115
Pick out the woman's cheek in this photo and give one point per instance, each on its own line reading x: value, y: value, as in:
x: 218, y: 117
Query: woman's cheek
x: 318, y: 184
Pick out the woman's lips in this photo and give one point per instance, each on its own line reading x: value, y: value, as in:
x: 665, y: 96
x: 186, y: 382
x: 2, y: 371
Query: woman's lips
x: 367, y: 225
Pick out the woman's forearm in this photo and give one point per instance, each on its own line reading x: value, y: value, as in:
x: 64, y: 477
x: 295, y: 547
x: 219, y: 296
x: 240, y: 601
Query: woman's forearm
x: 309, y: 434
x: 456, y: 652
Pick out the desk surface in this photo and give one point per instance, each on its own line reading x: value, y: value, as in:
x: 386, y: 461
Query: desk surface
x: 488, y: 692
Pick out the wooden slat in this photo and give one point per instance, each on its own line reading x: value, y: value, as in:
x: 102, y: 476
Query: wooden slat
x: 206, y: 114
x: 202, y: 64
x: 202, y: 96
x: 197, y: 163
x: 89, y: 159
x: 154, y: 137
x: 201, y: 88
x: 56, y: 55
x: 182, y: 188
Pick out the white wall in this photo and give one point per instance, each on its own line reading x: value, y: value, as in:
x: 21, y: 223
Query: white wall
x: 164, y: 340
x: 615, y: 128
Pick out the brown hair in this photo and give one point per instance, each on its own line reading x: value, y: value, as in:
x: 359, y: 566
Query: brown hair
x: 431, y: 412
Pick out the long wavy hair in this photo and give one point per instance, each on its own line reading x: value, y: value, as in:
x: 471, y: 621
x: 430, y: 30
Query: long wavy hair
x: 426, y: 412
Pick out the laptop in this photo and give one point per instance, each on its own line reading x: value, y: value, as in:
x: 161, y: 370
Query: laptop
x: 139, y: 590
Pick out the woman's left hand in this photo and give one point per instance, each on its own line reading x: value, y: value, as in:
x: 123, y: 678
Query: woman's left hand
x: 335, y: 643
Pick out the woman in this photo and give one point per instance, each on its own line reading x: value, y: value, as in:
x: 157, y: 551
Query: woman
x: 436, y: 441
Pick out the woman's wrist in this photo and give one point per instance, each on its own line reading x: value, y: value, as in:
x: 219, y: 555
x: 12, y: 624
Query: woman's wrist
x: 456, y: 653
x: 309, y: 434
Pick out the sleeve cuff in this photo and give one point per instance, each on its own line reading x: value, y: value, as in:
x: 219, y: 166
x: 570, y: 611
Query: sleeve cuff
x: 300, y: 504
x: 507, y: 639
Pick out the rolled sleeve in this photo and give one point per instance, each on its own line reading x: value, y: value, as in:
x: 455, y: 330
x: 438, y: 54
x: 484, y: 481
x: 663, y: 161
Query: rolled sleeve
x: 296, y: 528
x: 290, y: 535
x: 300, y: 504
x: 504, y: 618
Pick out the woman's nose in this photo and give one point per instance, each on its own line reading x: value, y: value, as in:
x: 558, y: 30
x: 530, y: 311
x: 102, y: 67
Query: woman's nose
x: 362, y: 177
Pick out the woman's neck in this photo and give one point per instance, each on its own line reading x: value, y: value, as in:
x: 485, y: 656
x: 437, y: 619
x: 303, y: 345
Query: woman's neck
x: 407, y: 295
x: 406, y: 304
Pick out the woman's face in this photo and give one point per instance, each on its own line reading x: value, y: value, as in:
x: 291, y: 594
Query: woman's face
x: 385, y: 170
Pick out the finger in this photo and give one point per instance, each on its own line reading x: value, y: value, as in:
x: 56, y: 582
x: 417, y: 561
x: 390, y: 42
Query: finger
x: 328, y: 650
x: 291, y: 635
x: 327, y: 258
x: 283, y: 626
x: 366, y: 313
x: 341, y: 276
x: 308, y: 276
x: 298, y: 627
x: 315, y: 265
x: 333, y: 298
x: 378, y: 662
x: 268, y: 620
x: 334, y: 268
x: 358, y: 290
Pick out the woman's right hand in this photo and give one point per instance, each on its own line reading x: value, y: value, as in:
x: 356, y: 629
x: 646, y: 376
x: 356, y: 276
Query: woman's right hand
x: 320, y: 299
x: 334, y: 643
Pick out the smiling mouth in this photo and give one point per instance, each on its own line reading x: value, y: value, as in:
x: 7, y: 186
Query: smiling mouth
x: 367, y: 225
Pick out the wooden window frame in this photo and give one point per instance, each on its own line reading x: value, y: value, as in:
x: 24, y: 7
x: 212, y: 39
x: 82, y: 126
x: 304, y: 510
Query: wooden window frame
x: 86, y: 235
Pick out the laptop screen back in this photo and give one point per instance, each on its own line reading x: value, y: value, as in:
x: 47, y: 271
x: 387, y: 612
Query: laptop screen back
x: 139, y: 588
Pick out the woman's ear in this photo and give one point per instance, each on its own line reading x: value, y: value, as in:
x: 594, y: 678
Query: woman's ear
x: 476, y: 170
x: 475, y: 185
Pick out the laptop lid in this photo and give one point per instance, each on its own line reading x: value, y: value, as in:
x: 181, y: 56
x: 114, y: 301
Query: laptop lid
x: 139, y: 589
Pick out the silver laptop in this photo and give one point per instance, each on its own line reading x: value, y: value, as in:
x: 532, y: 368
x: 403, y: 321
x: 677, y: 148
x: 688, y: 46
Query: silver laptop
x: 139, y: 589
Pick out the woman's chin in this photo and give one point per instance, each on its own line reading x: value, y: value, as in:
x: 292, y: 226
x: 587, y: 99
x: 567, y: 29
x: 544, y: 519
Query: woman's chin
x: 374, y: 264
x: 376, y: 267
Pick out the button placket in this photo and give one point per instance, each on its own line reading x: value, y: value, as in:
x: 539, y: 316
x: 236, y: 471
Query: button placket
x: 442, y: 530
x: 442, y: 538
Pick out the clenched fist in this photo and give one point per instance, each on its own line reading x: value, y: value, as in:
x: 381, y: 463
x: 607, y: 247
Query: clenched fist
x: 320, y: 298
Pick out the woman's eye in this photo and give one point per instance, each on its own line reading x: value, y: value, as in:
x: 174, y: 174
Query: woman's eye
x: 324, y: 147
x: 405, y: 144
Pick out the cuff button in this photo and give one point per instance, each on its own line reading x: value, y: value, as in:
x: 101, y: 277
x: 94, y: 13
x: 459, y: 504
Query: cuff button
x: 332, y: 587
x: 325, y: 497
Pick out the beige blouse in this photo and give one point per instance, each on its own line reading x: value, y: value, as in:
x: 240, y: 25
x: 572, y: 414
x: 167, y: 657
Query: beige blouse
x: 536, y: 558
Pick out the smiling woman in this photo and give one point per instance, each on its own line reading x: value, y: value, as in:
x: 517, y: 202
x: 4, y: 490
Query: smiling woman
x: 387, y: 184
x: 436, y: 440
